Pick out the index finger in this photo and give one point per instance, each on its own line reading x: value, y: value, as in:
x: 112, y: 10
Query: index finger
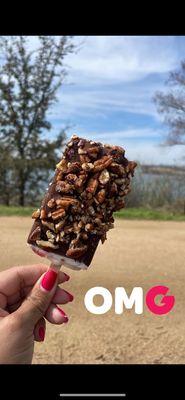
x: 14, y: 279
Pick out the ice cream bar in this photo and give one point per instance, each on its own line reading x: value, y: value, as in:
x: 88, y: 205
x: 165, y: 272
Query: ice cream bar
x: 89, y: 184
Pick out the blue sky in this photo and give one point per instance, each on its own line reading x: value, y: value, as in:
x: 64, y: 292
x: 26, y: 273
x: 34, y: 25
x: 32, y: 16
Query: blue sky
x: 108, y: 93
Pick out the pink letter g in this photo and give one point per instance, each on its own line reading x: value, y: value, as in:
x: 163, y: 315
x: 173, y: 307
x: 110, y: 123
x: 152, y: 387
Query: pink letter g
x: 167, y: 302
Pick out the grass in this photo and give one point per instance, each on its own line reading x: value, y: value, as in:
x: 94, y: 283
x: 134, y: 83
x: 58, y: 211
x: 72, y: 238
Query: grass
x: 127, y: 213
x: 149, y: 214
x: 13, y: 210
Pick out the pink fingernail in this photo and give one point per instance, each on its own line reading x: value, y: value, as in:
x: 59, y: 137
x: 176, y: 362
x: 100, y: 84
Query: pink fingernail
x: 71, y: 297
x: 42, y: 333
x: 49, y: 280
x: 66, y: 276
x: 66, y: 319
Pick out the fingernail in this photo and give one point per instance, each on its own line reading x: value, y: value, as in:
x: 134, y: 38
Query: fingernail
x: 66, y: 319
x: 71, y: 297
x: 66, y: 276
x: 49, y: 280
x: 42, y: 333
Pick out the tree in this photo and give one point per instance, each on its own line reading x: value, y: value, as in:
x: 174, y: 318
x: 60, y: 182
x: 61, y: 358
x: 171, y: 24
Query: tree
x: 29, y: 80
x: 172, y: 105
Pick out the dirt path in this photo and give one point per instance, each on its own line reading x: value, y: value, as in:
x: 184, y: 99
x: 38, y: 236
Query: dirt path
x: 137, y: 253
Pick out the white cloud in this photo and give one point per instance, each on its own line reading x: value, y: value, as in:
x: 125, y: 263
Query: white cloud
x: 121, y: 58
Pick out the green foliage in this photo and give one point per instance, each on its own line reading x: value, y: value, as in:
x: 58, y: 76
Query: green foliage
x: 29, y: 81
x: 148, y: 214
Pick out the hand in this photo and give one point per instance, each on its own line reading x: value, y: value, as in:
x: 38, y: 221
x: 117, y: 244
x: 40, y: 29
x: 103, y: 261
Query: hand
x: 27, y: 295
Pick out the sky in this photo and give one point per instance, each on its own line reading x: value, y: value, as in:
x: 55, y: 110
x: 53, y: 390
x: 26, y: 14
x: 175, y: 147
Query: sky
x: 107, y: 95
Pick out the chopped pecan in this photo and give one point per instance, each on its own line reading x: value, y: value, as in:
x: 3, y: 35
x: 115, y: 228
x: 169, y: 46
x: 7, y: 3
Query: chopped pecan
x: 82, y: 151
x: 60, y: 213
x: 35, y: 235
x: 63, y: 187
x: 48, y: 224
x: 117, y: 169
x: 68, y: 228
x: 65, y: 202
x: 76, y: 252
x: 113, y: 189
x: 45, y: 243
x: 89, y: 227
x: 120, y: 181
x: 84, y: 159
x: 91, y: 210
x: 97, y: 221
x: 87, y: 166
x: 101, y: 196
x: 104, y: 177
x: 81, y: 143
x: 93, y: 151
x: 92, y: 185
x: 80, y: 180
x: 71, y: 178
x: 102, y: 163
x: 84, y: 236
x: 43, y: 214
x: 51, y: 236
x: 51, y: 203
x: 60, y: 225
x: 74, y: 167
x: 62, y: 165
x: 36, y: 214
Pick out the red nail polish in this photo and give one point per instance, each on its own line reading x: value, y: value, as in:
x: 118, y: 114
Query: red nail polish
x: 63, y: 314
x: 71, y: 297
x: 66, y: 276
x: 42, y: 333
x: 49, y: 280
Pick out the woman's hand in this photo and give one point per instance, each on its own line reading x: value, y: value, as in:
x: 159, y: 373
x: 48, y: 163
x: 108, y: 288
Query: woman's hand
x: 27, y: 295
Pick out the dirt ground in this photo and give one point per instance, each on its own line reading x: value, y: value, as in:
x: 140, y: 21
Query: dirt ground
x: 137, y: 253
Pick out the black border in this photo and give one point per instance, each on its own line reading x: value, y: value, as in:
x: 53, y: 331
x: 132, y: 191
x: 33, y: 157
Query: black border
x: 136, y: 381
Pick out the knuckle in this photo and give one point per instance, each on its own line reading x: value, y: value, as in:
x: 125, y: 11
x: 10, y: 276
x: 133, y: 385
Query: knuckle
x: 38, y: 303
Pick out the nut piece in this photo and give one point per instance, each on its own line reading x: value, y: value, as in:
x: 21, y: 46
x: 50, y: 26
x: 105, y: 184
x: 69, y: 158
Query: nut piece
x: 65, y: 202
x: 45, y: 243
x: 89, y: 227
x: 60, y: 213
x: 76, y: 252
x: 49, y: 225
x: 102, y: 163
x: 104, y: 177
x: 71, y: 178
x: 62, y: 165
x: 93, y: 151
x: 50, y: 236
x: 82, y: 151
x: 63, y: 187
x: 92, y: 185
x: 113, y: 189
x: 117, y: 169
x: 43, y: 214
x: 59, y: 226
x: 101, y: 196
x: 87, y: 166
x: 51, y: 203
x: 36, y: 214
x: 74, y: 167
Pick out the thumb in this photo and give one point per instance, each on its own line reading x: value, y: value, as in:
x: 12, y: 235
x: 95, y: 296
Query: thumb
x: 38, y: 300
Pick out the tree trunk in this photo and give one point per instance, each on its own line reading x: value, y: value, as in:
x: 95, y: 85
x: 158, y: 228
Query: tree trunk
x: 22, y: 193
